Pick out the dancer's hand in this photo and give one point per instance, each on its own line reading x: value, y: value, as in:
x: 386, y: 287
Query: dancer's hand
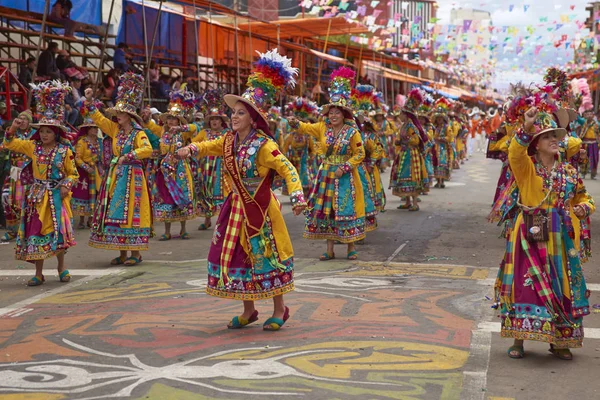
x: 184, y: 152
x: 339, y: 172
x: 298, y: 210
x: 64, y: 192
x: 530, y: 116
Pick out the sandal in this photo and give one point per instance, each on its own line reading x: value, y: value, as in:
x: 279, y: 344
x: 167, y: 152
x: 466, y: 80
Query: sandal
x: 414, y: 208
x: 437, y: 185
x: 133, y: 261
x: 117, y: 261
x: 519, y: 350
x: 443, y: 186
x: 563, y: 354
x: 352, y: 255
x: 184, y: 236
x: 327, y: 257
x: 64, y: 276
x: 404, y: 207
x: 239, y: 322
x: 275, y: 324
x: 35, y: 281
x: 204, y: 227
x: 8, y: 236
x: 165, y: 237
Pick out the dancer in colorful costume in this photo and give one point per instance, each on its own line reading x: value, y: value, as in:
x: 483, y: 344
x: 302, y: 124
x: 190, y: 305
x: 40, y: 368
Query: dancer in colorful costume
x: 590, y: 134
x: 336, y: 207
x: 88, y: 158
x: 387, y: 133
x: 299, y: 148
x: 123, y: 216
x: 211, y: 185
x: 20, y: 177
x: 535, y: 304
x: 364, y: 101
x: 173, y: 192
x: 251, y: 255
x: 443, y: 136
x: 409, y: 176
x: 45, y: 227
x: 425, y: 120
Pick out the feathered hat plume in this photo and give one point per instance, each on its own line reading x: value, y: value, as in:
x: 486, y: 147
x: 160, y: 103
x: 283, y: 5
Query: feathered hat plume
x: 340, y: 88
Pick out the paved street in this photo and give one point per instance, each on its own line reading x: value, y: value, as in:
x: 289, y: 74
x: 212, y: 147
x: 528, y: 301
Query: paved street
x: 408, y: 320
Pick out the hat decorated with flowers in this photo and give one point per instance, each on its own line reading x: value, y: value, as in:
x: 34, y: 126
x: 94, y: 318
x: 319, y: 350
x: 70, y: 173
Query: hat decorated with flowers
x: 181, y: 104
x: 129, y: 96
x: 424, y: 109
x: 413, y: 101
x: 272, y: 74
x: 49, y: 97
x: 340, y: 88
x: 88, y: 122
x: 212, y: 104
x: 274, y: 114
x: 303, y: 109
x: 441, y: 108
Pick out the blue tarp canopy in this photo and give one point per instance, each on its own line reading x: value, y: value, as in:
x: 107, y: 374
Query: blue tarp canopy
x: 169, y: 43
x: 86, y: 11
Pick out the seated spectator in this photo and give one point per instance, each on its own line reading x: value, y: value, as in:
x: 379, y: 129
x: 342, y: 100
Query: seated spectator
x: 192, y: 72
x: 2, y: 112
x: 164, y: 87
x: 68, y: 68
x: 61, y: 14
x: 73, y: 102
x: 176, y: 83
x: 47, y: 62
x: 120, y: 58
x: 109, y: 81
x: 26, y: 72
x: 153, y: 72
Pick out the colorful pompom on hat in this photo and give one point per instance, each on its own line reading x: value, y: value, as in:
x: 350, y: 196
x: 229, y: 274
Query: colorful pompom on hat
x: 212, y: 105
x: 129, y: 96
x: 181, y: 104
x: 441, y: 108
x: 425, y: 108
x: 272, y: 74
x: 413, y: 101
x: 363, y: 99
x: 49, y: 97
x: 274, y: 114
x: 340, y: 88
x: 303, y: 109
x: 88, y: 122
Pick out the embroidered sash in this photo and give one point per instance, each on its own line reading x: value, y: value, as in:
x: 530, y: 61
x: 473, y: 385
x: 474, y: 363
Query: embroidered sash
x: 255, y: 207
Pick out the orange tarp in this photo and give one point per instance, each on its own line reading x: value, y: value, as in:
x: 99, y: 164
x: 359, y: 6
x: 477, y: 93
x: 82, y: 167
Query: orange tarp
x: 307, y: 27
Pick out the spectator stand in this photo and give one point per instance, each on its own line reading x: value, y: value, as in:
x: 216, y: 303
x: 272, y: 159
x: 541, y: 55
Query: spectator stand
x: 20, y: 30
x: 12, y: 92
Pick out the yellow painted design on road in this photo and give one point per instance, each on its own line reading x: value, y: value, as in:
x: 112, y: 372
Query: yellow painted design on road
x: 132, y: 292
x: 339, y: 360
x: 435, y: 270
x: 158, y: 391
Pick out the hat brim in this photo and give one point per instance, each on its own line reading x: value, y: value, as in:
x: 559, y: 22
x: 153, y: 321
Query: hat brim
x: 165, y: 116
x: 562, y: 115
x: 561, y: 132
x: 61, y: 127
x: 231, y: 100
x: 325, y: 109
x: 112, y: 112
x: 87, y: 126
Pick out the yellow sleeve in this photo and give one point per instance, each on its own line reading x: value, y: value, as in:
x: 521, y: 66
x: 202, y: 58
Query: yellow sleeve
x: 106, y: 125
x: 71, y: 174
x: 315, y: 130
x: 26, y: 147
x: 271, y: 157
x: 583, y: 198
x: 143, y: 148
x: 573, y: 146
x: 155, y: 128
x: 79, y: 150
x: 529, y: 183
x: 414, y: 138
x: 200, y: 137
x: 390, y: 129
x: 287, y: 143
x: 208, y: 148
x: 358, y: 152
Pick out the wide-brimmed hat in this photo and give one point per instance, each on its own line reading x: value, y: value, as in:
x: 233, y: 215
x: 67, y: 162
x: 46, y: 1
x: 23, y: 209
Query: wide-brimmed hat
x: 424, y: 110
x: 562, y: 118
x: 545, y: 122
x: 340, y: 88
x: 414, y: 100
x: 303, y: 109
x: 50, y: 104
x: 441, y: 108
x: 271, y: 75
x: 129, y: 96
x: 181, y: 104
x: 213, y: 106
